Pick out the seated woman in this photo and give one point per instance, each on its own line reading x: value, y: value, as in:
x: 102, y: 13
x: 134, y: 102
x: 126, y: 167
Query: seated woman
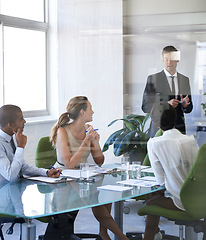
x: 74, y: 145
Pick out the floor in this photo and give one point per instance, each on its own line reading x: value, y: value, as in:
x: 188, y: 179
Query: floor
x: 86, y: 222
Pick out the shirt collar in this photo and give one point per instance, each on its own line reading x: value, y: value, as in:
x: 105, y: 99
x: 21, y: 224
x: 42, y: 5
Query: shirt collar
x: 171, y: 131
x: 4, y: 135
x: 168, y: 74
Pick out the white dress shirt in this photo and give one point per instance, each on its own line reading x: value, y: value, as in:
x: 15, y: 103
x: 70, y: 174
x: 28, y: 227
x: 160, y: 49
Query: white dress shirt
x: 13, y: 165
x: 171, y: 156
x: 168, y: 75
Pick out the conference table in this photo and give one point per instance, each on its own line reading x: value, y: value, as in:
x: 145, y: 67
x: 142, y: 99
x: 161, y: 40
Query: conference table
x: 32, y: 199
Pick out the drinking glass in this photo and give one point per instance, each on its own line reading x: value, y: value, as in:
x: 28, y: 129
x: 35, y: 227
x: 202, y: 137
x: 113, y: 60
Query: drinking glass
x: 84, y: 171
x: 136, y: 169
x: 125, y: 163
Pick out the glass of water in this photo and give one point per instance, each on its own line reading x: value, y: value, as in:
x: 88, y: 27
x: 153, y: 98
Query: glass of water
x: 84, y: 171
x: 125, y: 163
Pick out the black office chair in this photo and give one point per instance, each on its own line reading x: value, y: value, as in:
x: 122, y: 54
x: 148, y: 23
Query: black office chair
x: 9, y: 219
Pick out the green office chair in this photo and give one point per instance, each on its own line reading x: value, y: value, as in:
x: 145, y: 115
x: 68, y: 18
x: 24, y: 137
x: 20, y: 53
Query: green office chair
x: 193, y: 197
x: 45, y: 153
x: 46, y: 156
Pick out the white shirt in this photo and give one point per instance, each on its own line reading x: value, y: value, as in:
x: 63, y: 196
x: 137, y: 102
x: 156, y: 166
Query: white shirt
x: 168, y: 75
x: 13, y: 165
x: 171, y: 156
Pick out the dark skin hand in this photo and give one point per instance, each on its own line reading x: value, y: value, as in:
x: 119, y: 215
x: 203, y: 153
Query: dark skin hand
x: 21, y: 142
x: 55, y: 173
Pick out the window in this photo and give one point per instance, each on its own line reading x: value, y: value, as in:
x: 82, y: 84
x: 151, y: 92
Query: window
x: 23, y: 40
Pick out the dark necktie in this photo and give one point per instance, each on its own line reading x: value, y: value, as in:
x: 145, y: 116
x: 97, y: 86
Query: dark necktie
x: 173, y: 85
x: 13, y: 145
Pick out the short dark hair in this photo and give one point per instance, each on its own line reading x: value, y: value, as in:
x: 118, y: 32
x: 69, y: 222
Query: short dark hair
x: 8, y: 114
x: 168, y: 49
x: 168, y: 118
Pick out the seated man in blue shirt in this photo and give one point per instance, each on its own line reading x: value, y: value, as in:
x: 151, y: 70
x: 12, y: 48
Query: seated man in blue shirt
x: 12, y: 163
x: 171, y: 156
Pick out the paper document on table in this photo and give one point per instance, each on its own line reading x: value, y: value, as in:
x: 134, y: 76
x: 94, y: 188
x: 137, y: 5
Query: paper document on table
x: 49, y: 179
x: 105, y: 170
x: 138, y: 182
x: 114, y: 188
x: 143, y: 168
x: 148, y: 178
x: 148, y: 170
x: 75, y: 173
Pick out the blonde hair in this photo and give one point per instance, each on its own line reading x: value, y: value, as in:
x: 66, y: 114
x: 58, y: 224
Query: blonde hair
x: 73, y: 108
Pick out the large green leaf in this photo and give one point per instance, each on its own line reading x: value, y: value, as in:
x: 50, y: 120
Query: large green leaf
x: 128, y: 124
x: 119, y: 138
x: 122, y: 147
x: 114, y: 121
x: 111, y: 139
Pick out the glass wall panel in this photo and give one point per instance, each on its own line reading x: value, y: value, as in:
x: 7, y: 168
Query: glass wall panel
x: 147, y: 30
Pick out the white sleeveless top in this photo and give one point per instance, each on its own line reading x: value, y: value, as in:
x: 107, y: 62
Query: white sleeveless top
x: 74, y: 145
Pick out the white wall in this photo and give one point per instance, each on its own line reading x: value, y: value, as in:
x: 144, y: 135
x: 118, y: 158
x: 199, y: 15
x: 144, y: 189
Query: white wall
x: 90, y: 63
x: 90, y: 58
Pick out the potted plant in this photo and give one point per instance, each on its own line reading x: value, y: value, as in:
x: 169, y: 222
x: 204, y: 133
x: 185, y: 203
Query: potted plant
x: 131, y: 139
x: 204, y: 106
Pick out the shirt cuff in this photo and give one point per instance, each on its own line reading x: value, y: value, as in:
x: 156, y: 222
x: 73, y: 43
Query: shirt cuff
x: 19, y: 152
x: 45, y: 172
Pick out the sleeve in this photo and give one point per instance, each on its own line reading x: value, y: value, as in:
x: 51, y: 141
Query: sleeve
x: 148, y: 95
x: 155, y: 163
x: 187, y: 90
x: 10, y: 168
x: 33, y: 171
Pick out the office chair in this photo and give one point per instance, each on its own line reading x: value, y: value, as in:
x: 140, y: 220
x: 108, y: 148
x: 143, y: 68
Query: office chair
x: 193, y: 197
x: 46, y: 156
x: 9, y: 219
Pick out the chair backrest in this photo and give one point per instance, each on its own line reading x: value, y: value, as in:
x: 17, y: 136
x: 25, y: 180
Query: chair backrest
x: 146, y: 161
x: 45, y: 153
x: 193, y: 191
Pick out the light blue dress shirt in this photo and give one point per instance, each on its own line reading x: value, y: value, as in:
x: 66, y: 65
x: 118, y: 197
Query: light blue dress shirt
x: 12, y: 166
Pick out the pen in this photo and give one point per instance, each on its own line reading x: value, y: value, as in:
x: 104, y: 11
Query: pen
x: 94, y: 130
x: 54, y: 168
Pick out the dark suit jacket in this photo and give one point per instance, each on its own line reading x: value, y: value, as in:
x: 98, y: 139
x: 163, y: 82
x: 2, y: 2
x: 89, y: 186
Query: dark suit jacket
x: 156, y: 95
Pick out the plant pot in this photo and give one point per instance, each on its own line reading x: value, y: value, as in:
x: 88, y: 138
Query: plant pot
x: 138, y: 154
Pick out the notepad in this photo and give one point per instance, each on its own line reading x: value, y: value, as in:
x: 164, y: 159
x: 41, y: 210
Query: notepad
x: 115, y: 188
x: 139, y: 182
x: 49, y: 179
x: 75, y: 173
x: 148, y: 170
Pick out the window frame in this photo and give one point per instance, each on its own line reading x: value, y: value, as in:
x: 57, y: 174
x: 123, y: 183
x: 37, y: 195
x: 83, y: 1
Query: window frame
x: 16, y: 22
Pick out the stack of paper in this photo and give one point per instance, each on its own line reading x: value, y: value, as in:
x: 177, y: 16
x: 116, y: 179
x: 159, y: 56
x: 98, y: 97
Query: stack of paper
x: 114, y: 188
x: 49, y: 179
x: 75, y: 173
x: 141, y: 182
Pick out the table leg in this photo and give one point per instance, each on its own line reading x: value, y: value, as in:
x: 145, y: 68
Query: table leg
x: 28, y: 230
x: 118, y: 214
x: 190, y: 234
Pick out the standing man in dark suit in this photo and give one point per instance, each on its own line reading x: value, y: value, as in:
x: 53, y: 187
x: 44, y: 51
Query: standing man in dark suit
x: 167, y: 86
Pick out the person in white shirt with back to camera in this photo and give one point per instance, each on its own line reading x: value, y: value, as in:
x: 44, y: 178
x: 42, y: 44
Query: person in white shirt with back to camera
x: 171, y: 156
